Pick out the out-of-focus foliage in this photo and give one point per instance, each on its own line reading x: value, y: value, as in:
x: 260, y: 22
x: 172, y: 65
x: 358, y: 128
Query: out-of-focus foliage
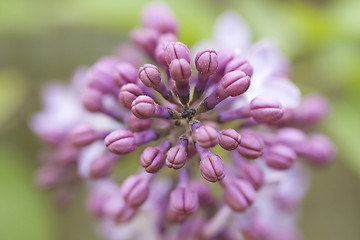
x: 42, y: 39
x: 24, y: 213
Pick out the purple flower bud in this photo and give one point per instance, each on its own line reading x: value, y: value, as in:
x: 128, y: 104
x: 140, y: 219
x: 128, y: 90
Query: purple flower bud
x: 312, y: 110
x: 239, y: 194
x: 211, y: 165
x: 67, y: 155
x: 203, y: 191
x: 293, y: 138
x: 138, y: 125
x: 235, y: 83
x: 257, y: 229
x: 144, y: 107
x: 239, y: 64
x: 49, y: 176
x: 160, y: 50
x: 145, y: 38
x: 183, y: 201
x: 152, y: 159
x: 121, y: 141
x: 250, y: 172
x: 102, y: 166
x: 125, y: 73
x: 94, y: 204
x: 150, y: 75
x: 229, y: 139
x: 92, y: 100
x: 83, y: 135
x: 101, y: 75
x: 158, y: 16
x: 128, y: 93
x: 191, y: 150
x: 224, y: 57
x: 180, y: 71
x: 176, y: 50
x: 177, y: 155
x: 319, y: 149
x: 206, y: 62
x: 251, y: 146
x: 116, y: 209
x: 279, y: 156
x: 206, y: 136
x: 266, y: 109
x: 135, y: 190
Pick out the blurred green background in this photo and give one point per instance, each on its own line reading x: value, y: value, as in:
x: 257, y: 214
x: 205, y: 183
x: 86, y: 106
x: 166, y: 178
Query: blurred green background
x: 42, y: 40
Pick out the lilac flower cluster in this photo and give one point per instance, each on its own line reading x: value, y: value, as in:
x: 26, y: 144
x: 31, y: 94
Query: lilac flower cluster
x: 235, y: 101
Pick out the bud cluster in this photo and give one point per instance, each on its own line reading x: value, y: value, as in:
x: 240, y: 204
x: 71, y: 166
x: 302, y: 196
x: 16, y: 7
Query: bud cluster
x: 193, y: 114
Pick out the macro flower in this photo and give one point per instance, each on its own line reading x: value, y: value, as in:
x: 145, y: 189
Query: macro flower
x: 218, y: 136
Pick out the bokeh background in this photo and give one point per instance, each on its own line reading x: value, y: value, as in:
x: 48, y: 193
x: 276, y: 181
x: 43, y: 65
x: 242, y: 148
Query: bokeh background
x: 42, y: 40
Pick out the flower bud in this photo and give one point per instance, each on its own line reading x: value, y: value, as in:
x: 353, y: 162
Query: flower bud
x: 150, y: 75
x: 212, y: 167
x: 125, y: 73
x: 239, y: 194
x: 224, y: 57
x: 67, y: 155
x: 235, y: 83
x: 251, y: 173
x: 138, y: 125
x: 83, y: 135
x: 158, y: 16
x: 145, y: 38
x: 92, y: 100
x: 100, y: 76
x: 128, y: 93
x: 135, y: 190
x: 120, y: 141
x: 251, y: 146
x: 206, y: 136
x: 279, y: 156
x: 320, y: 149
x: 239, y: 64
x: 183, y: 201
x: 293, y: 138
x: 206, y: 62
x: 229, y: 139
x: 152, y: 159
x: 203, y: 191
x: 266, y: 109
x: 177, y: 155
x: 312, y: 110
x: 180, y: 71
x: 49, y: 176
x: 143, y: 107
x: 176, y: 50
x: 160, y: 50
x: 102, y: 166
x: 191, y: 150
x: 116, y: 209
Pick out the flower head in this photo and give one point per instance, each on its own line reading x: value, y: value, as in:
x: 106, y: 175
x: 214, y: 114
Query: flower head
x: 180, y: 111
